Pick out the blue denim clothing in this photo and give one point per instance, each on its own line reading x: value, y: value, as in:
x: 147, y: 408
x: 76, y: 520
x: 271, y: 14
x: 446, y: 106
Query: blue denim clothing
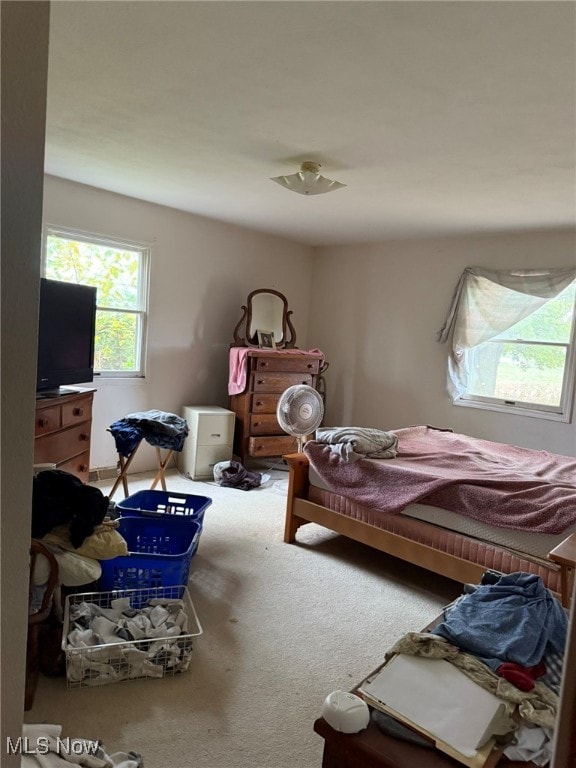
x: 159, y: 428
x: 126, y: 437
x: 515, y: 619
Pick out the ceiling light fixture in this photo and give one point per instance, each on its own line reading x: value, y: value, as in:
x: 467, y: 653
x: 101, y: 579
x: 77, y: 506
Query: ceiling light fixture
x: 308, y: 181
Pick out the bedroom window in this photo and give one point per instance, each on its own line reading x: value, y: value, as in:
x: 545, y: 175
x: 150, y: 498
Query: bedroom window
x: 513, y: 341
x: 119, y: 270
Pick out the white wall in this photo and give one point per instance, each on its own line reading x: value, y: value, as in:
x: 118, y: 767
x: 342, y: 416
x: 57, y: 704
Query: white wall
x: 201, y: 273
x: 24, y: 71
x: 375, y: 314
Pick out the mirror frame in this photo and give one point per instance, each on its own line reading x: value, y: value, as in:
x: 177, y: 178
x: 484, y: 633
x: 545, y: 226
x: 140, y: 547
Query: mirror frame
x: 241, y: 332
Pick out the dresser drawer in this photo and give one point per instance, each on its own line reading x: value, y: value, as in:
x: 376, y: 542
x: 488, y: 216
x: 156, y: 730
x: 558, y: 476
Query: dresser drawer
x: 60, y: 446
x: 265, y: 424
x: 76, y: 412
x: 62, y: 428
x: 272, y: 446
x: 79, y: 466
x: 47, y: 420
x: 290, y: 364
x: 271, y: 382
x: 265, y: 403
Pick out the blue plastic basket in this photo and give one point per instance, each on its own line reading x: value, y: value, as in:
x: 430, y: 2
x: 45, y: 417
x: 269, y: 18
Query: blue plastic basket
x: 159, y: 553
x: 160, y: 503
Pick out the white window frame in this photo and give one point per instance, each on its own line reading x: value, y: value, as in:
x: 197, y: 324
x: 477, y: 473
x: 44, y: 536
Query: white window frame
x: 143, y: 287
x: 465, y: 331
x: 562, y: 412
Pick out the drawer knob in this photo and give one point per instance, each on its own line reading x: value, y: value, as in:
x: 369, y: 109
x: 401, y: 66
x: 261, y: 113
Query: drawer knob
x: 83, y: 468
x: 259, y: 403
x: 78, y: 411
x: 84, y: 437
x: 42, y: 422
x: 261, y: 381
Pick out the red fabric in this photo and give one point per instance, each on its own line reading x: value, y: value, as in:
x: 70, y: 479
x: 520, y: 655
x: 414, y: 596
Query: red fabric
x: 498, y: 484
x: 522, y: 677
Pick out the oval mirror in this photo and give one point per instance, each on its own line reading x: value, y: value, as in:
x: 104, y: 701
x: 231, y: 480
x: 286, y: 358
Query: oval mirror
x: 267, y: 315
x: 266, y: 310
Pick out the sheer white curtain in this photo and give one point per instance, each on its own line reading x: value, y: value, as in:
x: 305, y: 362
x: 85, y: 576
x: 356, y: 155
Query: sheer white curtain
x: 487, y: 302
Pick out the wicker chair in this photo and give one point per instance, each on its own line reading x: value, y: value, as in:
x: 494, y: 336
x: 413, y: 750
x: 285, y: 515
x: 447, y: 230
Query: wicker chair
x: 39, y: 610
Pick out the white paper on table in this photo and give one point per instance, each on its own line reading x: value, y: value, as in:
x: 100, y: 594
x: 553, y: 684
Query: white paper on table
x: 437, y: 697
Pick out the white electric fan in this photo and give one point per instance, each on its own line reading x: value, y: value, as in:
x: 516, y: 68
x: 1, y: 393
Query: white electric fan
x: 300, y: 411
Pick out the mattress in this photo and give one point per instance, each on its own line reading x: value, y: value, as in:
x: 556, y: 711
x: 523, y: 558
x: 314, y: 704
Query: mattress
x: 536, y: 545
x: 485, y: 554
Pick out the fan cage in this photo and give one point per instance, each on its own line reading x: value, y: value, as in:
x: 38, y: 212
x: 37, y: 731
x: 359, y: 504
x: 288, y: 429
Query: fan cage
x: 290, y: 413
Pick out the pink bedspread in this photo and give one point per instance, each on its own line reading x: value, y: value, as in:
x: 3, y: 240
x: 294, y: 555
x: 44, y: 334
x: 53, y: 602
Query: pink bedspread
x: 502, y: 485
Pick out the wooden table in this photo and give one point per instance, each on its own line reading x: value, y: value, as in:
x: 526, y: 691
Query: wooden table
x: 565, y: 555
x: 371, y: 748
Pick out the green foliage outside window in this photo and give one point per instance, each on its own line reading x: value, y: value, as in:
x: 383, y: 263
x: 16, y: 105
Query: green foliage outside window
x: 551, y: 323
x: 116, y: 273
x: 527, y: 363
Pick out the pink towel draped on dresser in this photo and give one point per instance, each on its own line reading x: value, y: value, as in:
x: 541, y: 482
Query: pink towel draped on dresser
x: 237, y: 375
x: 238, y: 367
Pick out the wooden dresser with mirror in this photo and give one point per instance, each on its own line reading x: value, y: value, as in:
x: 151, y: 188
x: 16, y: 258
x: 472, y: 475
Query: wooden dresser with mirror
x: 267, y: 373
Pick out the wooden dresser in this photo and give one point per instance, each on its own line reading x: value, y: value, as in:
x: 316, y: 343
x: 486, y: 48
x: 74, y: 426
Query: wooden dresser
x: 62, y: 431
x: 268, y: 374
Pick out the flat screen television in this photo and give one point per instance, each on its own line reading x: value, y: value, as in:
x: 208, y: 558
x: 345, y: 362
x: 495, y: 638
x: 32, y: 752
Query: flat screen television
x: 66, y: 330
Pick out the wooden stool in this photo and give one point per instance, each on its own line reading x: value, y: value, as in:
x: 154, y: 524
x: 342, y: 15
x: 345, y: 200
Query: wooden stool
x: 124, y: 464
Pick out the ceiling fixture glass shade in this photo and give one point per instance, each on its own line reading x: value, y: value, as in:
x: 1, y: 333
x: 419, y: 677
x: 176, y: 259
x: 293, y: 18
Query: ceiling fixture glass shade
x: 308, y: 181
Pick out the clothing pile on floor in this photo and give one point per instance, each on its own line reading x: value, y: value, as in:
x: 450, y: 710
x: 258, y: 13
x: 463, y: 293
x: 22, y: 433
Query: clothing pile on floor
x: 45, y: 747
x: 508, y: 634
x: 232, y: 474
x: 105, y: 645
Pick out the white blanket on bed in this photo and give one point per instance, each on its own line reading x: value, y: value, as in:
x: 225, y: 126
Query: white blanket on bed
x: 353, y: 443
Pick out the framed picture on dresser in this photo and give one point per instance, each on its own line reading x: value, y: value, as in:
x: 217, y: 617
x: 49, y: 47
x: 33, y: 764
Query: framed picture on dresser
x: 265, y: 339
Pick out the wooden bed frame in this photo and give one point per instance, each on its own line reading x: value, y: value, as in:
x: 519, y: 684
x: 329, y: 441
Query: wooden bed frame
x: 299, y: 511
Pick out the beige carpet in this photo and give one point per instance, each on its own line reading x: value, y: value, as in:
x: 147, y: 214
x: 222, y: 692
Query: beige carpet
x: 283, y: 626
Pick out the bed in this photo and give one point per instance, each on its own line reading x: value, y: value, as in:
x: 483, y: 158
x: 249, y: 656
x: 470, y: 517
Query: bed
x: 450, y: 503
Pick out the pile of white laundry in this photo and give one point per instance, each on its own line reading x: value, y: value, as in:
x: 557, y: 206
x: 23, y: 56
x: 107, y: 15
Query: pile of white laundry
x: 105, y: 645
x: 43, y: 746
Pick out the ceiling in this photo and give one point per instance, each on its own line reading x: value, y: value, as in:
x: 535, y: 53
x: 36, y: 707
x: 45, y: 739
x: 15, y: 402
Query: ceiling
x: 440, y: 117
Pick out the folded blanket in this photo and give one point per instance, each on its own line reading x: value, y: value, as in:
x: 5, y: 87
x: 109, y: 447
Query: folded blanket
x: 353, y: 443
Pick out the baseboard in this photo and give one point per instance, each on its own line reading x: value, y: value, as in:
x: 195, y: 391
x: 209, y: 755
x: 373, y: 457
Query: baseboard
x: 102, y: 473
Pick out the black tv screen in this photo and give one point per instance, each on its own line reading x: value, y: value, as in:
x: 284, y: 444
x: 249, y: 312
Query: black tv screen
x: 66, y: 329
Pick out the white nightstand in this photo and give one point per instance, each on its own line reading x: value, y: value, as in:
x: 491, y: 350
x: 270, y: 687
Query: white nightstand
x: 209, y: 441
